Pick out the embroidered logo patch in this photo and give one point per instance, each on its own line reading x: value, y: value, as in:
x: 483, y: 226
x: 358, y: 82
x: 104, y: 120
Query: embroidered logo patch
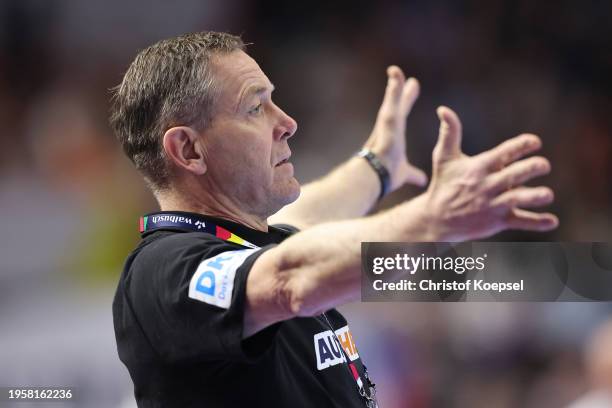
x: 213, y: 281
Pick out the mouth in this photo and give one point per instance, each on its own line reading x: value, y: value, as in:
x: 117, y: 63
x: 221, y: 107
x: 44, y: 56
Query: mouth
x: 284, y: 161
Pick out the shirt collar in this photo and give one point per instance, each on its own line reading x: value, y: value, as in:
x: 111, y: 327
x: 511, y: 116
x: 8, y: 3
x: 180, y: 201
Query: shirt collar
x: 259, y: 238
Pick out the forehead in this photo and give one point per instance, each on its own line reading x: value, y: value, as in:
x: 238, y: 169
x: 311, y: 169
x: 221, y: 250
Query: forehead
x: 237, y: 73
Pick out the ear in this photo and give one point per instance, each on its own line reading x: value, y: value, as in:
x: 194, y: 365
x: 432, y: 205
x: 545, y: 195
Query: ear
x: 183, y: 146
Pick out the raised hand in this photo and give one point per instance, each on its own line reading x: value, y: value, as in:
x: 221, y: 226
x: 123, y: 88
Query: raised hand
x: 388, y: 138
x: 475, y: 197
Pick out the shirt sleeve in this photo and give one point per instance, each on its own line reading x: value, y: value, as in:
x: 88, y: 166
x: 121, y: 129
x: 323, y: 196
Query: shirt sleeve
x: 188, y: 293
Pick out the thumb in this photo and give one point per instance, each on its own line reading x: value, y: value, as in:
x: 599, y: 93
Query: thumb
x: 417, y: 176
x: 449, y: 138
x: 408, y: 174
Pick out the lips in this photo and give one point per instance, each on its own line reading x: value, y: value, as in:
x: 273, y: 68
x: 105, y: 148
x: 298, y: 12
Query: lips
x: 283, y: 161
x: 280, y: 163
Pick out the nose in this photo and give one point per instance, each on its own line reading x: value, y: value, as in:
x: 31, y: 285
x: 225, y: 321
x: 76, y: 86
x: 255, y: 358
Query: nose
x: 287, y: 126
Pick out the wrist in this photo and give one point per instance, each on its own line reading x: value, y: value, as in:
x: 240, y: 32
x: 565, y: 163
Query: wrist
x: 384, y: 154
x: 426, y: 226
x: 379, y: 168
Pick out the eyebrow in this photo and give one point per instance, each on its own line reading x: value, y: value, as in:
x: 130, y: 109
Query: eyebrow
x: 254, y: 90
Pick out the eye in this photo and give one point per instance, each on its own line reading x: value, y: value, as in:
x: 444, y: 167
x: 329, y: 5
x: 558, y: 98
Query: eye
x: 256, y: 110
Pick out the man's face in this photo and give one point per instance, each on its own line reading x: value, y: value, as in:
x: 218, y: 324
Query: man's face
x: 246, y: 144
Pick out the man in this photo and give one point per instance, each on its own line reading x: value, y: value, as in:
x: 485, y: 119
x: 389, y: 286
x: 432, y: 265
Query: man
x: 218, y: 308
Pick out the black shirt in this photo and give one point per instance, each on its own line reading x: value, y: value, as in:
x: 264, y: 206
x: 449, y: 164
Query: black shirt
x: 178, y: 316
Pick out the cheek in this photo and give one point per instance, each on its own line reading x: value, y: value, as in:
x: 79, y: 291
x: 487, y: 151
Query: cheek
x: 247, y: 157
x: 253, y: 150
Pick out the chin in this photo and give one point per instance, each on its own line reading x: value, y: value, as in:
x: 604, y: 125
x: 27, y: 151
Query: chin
x: 288, y: 194
x: 295, y: 193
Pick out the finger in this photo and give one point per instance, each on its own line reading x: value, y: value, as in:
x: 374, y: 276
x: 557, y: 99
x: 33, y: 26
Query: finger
x: 449, y: 139
x: 393, y: 93
x: 410, y: 94
x: 510, y: 151
x: 416, y: 176
x: 525, y: 197
x: 517, y: 173
x: 530, y: 221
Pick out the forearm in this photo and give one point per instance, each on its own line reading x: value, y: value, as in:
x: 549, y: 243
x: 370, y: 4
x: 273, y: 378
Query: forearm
x: 349, y: 191
x: 320, y: 268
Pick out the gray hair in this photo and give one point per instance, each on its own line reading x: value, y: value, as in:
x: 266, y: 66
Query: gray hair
x: 168, y: 84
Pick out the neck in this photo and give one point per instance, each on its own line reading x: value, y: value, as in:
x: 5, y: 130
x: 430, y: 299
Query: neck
x: 213, y: 207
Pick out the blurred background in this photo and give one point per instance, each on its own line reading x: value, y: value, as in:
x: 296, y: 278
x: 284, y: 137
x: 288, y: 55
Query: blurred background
x: 69, y: 200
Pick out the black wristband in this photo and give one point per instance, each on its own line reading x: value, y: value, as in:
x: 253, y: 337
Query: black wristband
x: 379, y: 168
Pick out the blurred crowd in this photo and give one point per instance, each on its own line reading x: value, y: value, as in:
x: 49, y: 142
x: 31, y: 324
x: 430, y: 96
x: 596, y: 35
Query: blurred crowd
x: 69, y: 200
